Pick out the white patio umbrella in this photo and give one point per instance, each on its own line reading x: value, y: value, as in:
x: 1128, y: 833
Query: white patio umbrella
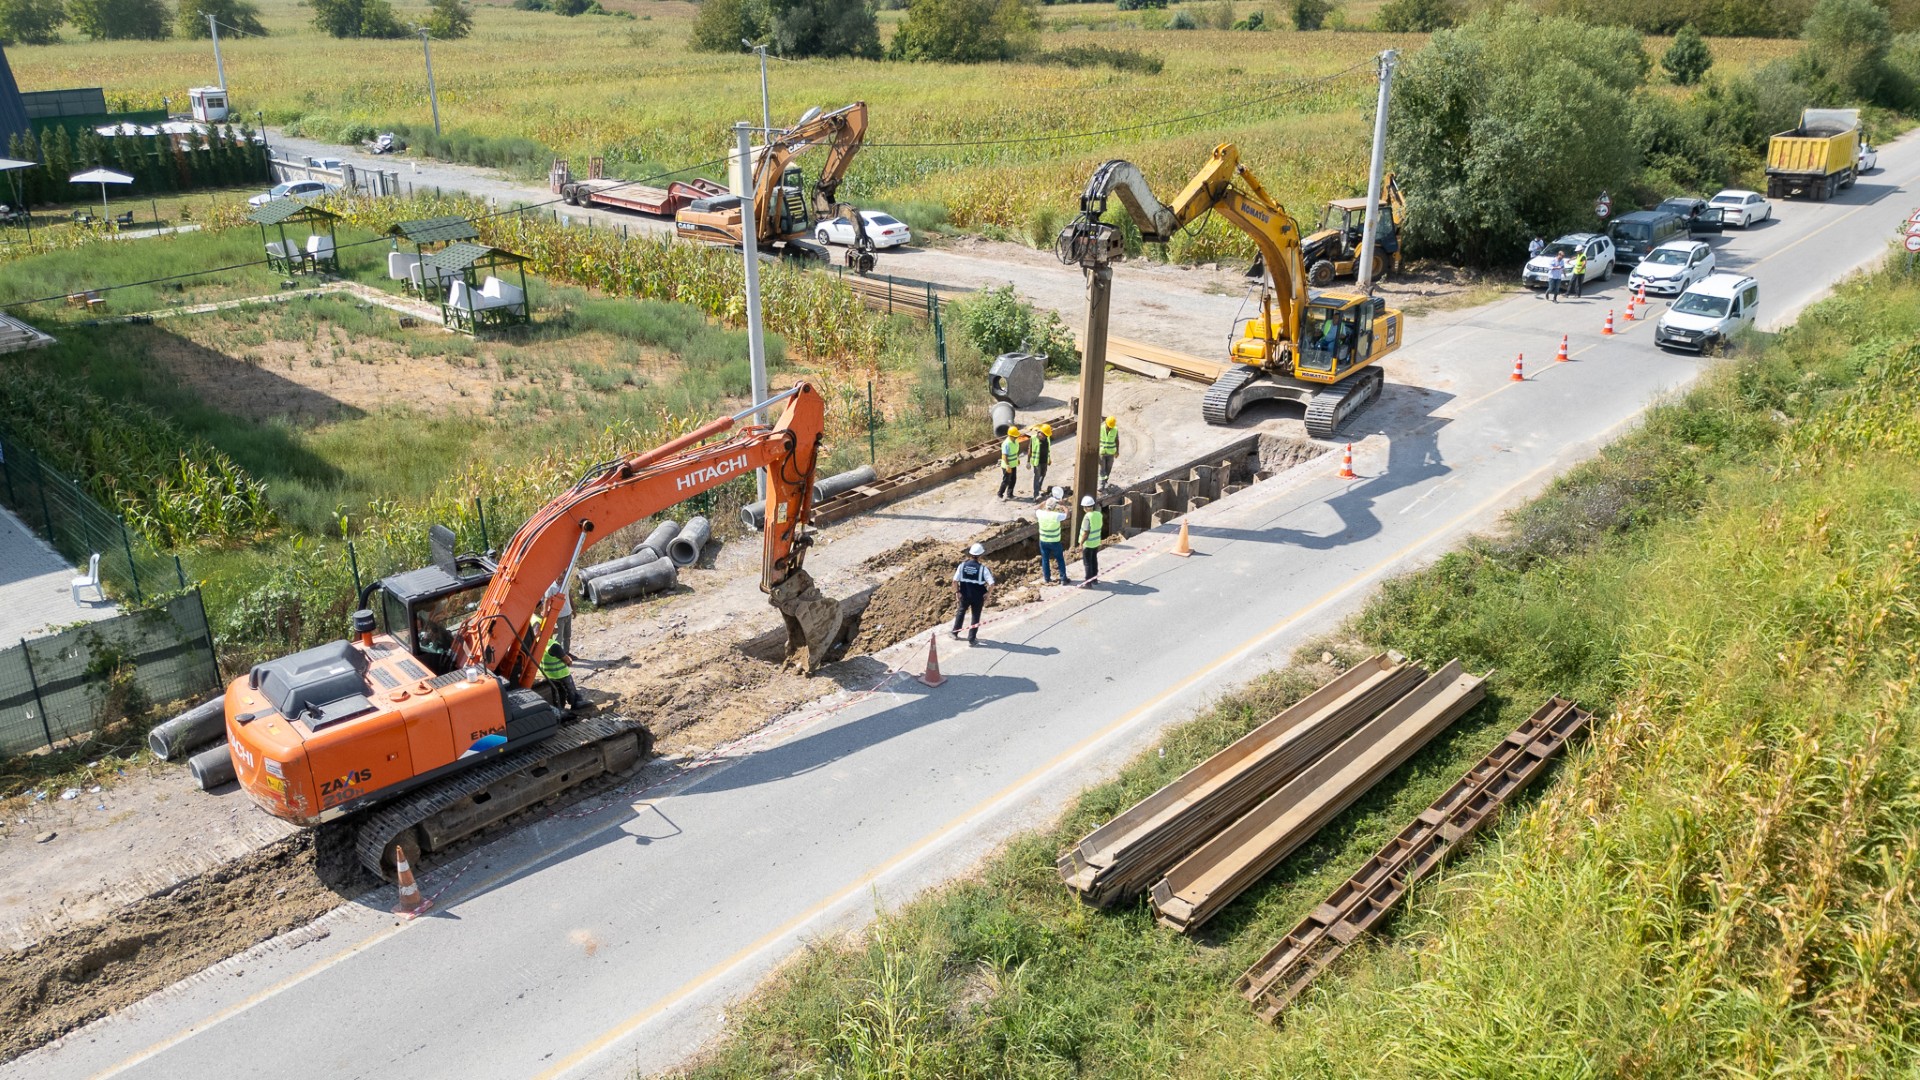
x: 103, y: 177
x: 10, y: 165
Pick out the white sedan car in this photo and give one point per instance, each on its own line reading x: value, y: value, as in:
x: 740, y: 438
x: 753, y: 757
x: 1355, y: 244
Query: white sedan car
x: 295, y: 189
x: 1672, y: 268
x: 1868, y: 160
x: 884, y: 230
x: 1741, y: 208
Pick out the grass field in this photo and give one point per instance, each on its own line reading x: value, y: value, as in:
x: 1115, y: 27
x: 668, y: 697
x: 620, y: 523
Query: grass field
x: 630, y: 90
x: 1724, y: 882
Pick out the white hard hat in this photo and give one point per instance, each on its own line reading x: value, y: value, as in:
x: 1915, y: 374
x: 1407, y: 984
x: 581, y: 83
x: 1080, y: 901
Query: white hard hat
x: 1086, y: 500
x: 977, y: 549
x: 1059, y: 493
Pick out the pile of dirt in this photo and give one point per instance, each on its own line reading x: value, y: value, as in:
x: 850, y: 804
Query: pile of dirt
x: 79, y: 975
x: 893, y: 557
x: 1278, y: 454
x: 921, y: 594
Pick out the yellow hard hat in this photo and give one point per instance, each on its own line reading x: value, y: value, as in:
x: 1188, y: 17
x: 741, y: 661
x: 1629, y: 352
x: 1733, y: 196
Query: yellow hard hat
x: 1047, y: 430
x: 1011, y: 430
x: 1113, y: 421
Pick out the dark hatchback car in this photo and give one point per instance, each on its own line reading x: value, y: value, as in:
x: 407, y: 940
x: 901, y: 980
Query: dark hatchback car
x: 1697, y: 213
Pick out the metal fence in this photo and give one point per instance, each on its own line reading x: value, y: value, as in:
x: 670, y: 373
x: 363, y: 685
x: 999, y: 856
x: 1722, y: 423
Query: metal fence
x: 56, y: 687
x: 78, y: 527
x: 347, y: 177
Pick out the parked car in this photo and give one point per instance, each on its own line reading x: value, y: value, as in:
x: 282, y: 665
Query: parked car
x: 1708, y: 314
x: 1867, y: 160
x: 1673, y: 268
x: 1599, y: 251
x: 292, y: 189
x: 1636, y: 234
x: 1701, y: 216
x: 886, y: 231
x: 1742, y: 208
x: 325, y: 163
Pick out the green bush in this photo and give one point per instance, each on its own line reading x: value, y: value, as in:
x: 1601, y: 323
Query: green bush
x: 1307, y: 15
x: 966, y: 31
x: 1418, y: 16
x: 1846, y: 51
x: 356, y: 18
x: 995, y: 321
x: 120, y: 20
x: 190, y: 18
x: 1180, y: 20
x: 1688, y: 58
x: 1083, y: 56
x: 449, y: 19
x: 31, y: 22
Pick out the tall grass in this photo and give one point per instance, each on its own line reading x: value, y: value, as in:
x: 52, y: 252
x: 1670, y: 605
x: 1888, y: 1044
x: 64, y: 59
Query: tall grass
x: 1722, y: 883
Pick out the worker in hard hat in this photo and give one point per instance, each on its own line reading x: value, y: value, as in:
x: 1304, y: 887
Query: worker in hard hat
x: 1009, y: 462
x: 971, y: 580
x: 1093, y: 528
x: 1040, y: 453
x: 1109, y: 447
x: 1052, y: 520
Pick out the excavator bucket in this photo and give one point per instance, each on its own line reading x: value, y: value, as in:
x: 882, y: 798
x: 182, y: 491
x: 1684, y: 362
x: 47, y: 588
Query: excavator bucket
x: 814, y: 621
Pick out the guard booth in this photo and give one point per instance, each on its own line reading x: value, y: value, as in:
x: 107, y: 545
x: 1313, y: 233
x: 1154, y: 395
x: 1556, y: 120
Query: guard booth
x: 477, y: 296
x: 316, y: 255
x: 426, y: 235
x: 208, y: 104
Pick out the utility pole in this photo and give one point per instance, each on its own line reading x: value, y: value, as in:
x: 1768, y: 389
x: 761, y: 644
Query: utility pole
x: 766, y: 111
x: 433, y: 96
x: 1387, y: 61
x: 750, y: 250
x: 213, y: 25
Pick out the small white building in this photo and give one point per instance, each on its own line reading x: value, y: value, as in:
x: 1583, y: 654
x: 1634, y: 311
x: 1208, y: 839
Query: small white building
x: 209, y: 103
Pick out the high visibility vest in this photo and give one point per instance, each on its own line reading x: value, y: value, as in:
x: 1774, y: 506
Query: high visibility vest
x: 1009, y: 454
x: 553, y: 666
x: 1580, y: 264
x: 970, y: 573
x: 1109, y: 440
x: 1042, y: 451
x: 1091, y: 528
x: 1051, y: 522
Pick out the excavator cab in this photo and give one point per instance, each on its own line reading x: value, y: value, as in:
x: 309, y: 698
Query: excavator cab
x: 1336, y: 336
x: 790, y: 203
x: 424, y: 609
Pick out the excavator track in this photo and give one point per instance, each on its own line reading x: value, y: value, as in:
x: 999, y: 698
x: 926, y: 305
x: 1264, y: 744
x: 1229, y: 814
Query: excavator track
x: 1330, y: 408
x: 441, y: 814
x: 1219, y: 406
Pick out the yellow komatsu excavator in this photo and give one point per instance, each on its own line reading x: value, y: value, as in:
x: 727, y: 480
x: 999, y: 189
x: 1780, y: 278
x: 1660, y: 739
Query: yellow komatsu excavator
x: 1318, y: 349
x: 783, y: 216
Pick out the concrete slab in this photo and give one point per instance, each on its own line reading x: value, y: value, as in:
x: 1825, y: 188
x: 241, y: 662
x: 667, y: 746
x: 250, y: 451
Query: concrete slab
x: 35, y: 597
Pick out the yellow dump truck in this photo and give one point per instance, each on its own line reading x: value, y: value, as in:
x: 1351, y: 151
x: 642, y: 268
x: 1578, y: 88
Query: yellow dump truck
x: 1817, y: 158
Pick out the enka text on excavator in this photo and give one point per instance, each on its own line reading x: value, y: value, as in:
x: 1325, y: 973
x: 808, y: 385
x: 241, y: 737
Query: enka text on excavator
x: 1316, y: 348
x: 425, y: 727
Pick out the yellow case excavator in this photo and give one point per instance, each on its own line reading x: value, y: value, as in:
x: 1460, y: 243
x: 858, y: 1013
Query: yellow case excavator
x: 1317, y: 348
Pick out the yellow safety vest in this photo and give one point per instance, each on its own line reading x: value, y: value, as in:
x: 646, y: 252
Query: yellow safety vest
x: 1091, y: 528
x: 1109, y: 440
x: 552, y: 665
x: 1009, y: 454
x: 1051, y: 522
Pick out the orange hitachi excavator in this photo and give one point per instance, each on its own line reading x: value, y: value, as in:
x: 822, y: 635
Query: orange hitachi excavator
x: 426, y: 730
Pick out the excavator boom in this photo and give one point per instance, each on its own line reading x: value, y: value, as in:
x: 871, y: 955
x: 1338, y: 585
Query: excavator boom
x: 780, y: 215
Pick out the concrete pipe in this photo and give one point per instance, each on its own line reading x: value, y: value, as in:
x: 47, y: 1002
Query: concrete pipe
x: 1002, y: 418
x: 846, y: 481
x: 754, y: 516
x: 658, y: 575
x: 660, y: 538
x: 198, y: 726
x: 641, y: 557
x: 685, y: 549
x: 212, y: 767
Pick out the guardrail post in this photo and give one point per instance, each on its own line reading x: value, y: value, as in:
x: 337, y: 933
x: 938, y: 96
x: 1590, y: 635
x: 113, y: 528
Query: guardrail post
x: 26, y: 657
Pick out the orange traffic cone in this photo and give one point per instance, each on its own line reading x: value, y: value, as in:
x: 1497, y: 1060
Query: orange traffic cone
x: 410, y: 902
x: 1182, y: 547
x: 1643, y: 294
x: 1607, y: 330
x: 1630, y: 314
x: 932, y: 676
x: 1561, y: 357
x: 1519, y: 371
x: 1346, y: 459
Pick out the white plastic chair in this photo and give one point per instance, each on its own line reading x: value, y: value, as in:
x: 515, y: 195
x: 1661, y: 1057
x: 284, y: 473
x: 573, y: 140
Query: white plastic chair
x: 402, y: 267
x: 460, y: 297
x: 91, y: 581
x: 320, y: 247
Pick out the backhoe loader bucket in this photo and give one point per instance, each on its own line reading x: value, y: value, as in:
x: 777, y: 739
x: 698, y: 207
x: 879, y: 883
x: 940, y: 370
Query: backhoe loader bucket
x: 817, y: 622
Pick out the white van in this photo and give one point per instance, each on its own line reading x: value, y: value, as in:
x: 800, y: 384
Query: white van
x: 1709, y: 313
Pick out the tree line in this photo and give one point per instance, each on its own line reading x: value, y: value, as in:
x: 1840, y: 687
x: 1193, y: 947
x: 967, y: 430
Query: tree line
x: 225, y: 156
x: 38, y: 22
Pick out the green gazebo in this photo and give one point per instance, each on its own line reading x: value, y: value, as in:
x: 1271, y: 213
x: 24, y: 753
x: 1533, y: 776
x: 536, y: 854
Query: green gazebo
x: 477, y: 297
x: 319, y: 254
x: 426, y: 235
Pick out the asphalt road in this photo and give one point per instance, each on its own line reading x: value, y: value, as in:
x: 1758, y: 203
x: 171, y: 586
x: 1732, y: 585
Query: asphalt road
x: 612, y: 938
